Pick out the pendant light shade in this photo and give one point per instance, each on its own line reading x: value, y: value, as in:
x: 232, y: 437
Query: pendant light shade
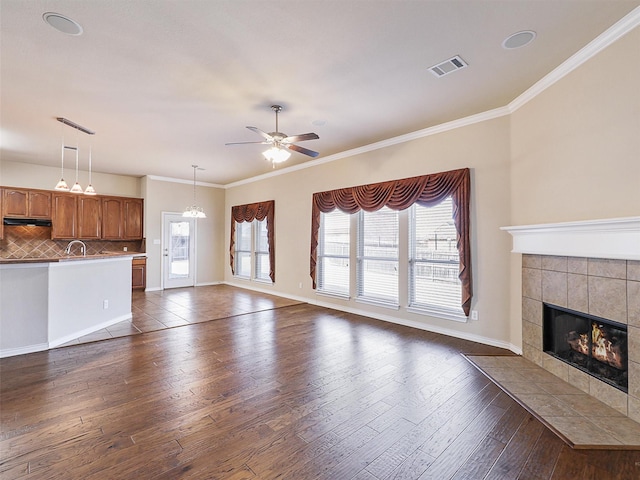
x: 193, y: 210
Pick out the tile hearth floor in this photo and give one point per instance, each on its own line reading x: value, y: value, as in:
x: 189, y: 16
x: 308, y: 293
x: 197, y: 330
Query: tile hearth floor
x: 579, y: 419
x: 183, y: 306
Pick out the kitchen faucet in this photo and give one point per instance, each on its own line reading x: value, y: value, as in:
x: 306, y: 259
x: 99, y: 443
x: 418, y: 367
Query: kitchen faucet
x: 83, y: 247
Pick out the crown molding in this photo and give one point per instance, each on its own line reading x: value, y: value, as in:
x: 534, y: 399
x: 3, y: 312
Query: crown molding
x: 181, y: 180
x: 607, y: 38
x: 443, y: 127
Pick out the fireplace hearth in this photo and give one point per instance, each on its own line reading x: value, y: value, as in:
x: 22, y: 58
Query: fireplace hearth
x: 592, y: 344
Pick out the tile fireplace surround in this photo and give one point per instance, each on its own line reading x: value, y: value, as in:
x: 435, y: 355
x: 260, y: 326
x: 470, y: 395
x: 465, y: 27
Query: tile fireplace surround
x: 590, y: 267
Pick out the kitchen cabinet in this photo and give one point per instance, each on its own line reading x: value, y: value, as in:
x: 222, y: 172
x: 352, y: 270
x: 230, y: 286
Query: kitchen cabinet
x: 25, y: 203
x: 132, y: 219
x: 89, y: 217
x: 122, y: 218
x: 65, y: 216
x: 139, y: 273
x: 111, y: 218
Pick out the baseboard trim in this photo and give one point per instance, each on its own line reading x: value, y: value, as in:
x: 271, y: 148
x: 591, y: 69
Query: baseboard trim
x: 388, y: 318
x: 87, y: 331
x: 12, y: 352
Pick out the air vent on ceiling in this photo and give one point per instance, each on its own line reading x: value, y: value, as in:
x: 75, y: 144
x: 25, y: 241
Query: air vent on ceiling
x: 448, y: 66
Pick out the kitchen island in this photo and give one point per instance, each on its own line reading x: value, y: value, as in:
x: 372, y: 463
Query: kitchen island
x: 45, y: 303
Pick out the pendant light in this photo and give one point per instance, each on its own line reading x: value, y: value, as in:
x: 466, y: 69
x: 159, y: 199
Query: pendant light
x: 62, y: 185
x: 76, y: 187
x: 194, y: 211
x: 90, y: 190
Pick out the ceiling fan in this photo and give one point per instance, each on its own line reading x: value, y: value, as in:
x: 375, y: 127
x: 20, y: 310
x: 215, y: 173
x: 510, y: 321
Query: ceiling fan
x: 280, y: 142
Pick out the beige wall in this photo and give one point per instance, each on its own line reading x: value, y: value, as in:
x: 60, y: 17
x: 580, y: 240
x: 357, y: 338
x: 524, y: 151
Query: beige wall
x: 172, y: 197
x: 482, y: 147
x: 576, y: 146
x: 576, y: 149
x: 17, y: 174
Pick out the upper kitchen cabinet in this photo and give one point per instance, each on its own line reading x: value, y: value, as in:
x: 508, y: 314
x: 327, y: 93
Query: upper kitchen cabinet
x: 65, y: 216
x: 122, y: 218
x: 132, y: 219
x: 26, y: 203
x: 112, y: 218
x: 89, y: 218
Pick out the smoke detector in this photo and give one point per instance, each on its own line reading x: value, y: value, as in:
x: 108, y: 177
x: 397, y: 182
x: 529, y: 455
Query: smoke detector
x: 448, y: 66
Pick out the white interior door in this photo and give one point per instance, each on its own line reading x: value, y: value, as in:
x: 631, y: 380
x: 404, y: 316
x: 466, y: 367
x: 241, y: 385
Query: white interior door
x: 178, y: 250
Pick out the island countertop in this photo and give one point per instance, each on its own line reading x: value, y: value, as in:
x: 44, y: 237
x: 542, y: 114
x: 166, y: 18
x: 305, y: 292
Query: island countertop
x: 68, y: 258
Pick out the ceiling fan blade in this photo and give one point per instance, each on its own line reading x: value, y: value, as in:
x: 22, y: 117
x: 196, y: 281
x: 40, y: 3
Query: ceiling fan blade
x: 245, y: 143
x: 300, y: 138
x: 299, y: 149
x: 265, y: 135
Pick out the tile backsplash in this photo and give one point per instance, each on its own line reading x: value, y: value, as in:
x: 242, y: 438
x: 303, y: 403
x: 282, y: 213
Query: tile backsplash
x: 36, y: 242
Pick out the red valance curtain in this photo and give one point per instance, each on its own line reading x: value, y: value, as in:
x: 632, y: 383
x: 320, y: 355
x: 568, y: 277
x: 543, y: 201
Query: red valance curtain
x: 426, y: 190
x: 248, y: 213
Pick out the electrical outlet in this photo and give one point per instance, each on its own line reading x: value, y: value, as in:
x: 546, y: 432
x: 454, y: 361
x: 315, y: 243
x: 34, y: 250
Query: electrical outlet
x: 474, y: 315
x: 300, y: 285
x: 105, y: 304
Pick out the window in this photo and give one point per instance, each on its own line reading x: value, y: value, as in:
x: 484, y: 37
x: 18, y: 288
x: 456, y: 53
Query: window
x: 252, y: 250
x: 252, y: 243
x: 261, y: 256
x: 243, y: 250
x: 434, y: 262
x: 406, y: 255
x: 333, y: 253
x: 377, y: 268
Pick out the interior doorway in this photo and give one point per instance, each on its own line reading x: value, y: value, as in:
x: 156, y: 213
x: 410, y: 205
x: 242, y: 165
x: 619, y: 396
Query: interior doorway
x: 178, y: 251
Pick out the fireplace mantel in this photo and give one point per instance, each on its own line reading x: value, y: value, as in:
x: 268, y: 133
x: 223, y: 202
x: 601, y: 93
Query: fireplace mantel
x: 616, y: 238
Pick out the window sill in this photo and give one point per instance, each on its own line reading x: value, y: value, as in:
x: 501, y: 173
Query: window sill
x: 439, y: 313
x: 341, y: 296
x: 378, y: 303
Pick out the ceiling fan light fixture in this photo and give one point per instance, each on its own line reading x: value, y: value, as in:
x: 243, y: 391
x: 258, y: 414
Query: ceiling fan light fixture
x: 276, y: 154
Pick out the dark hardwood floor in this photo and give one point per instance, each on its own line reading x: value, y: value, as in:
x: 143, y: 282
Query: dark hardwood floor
x: 293, y: 391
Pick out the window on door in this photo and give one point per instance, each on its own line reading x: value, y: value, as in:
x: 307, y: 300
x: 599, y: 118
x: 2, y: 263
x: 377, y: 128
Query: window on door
x: 252, y: 251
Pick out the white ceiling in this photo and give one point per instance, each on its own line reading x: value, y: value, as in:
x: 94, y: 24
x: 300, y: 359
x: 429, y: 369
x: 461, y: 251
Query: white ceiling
x: 166, y: 83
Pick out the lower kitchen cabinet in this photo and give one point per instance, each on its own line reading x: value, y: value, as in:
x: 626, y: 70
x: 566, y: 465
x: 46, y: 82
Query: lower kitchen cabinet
x: 139, y: 273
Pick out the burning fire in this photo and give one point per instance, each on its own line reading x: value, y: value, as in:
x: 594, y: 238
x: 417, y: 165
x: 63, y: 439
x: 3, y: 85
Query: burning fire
x: 602, y: 348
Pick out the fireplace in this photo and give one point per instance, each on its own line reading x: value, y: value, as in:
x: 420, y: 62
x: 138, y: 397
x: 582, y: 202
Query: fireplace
x: 592, y: 344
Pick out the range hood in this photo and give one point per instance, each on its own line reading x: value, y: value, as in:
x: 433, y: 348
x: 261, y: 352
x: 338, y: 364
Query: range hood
x: 32, y: 222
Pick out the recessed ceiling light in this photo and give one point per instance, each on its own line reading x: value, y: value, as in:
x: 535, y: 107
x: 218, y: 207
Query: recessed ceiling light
x: 62, y: 24
x: 519, y: 39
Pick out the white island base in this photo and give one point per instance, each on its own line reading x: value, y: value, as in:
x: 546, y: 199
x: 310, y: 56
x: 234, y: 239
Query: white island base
x: 47, y: 304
